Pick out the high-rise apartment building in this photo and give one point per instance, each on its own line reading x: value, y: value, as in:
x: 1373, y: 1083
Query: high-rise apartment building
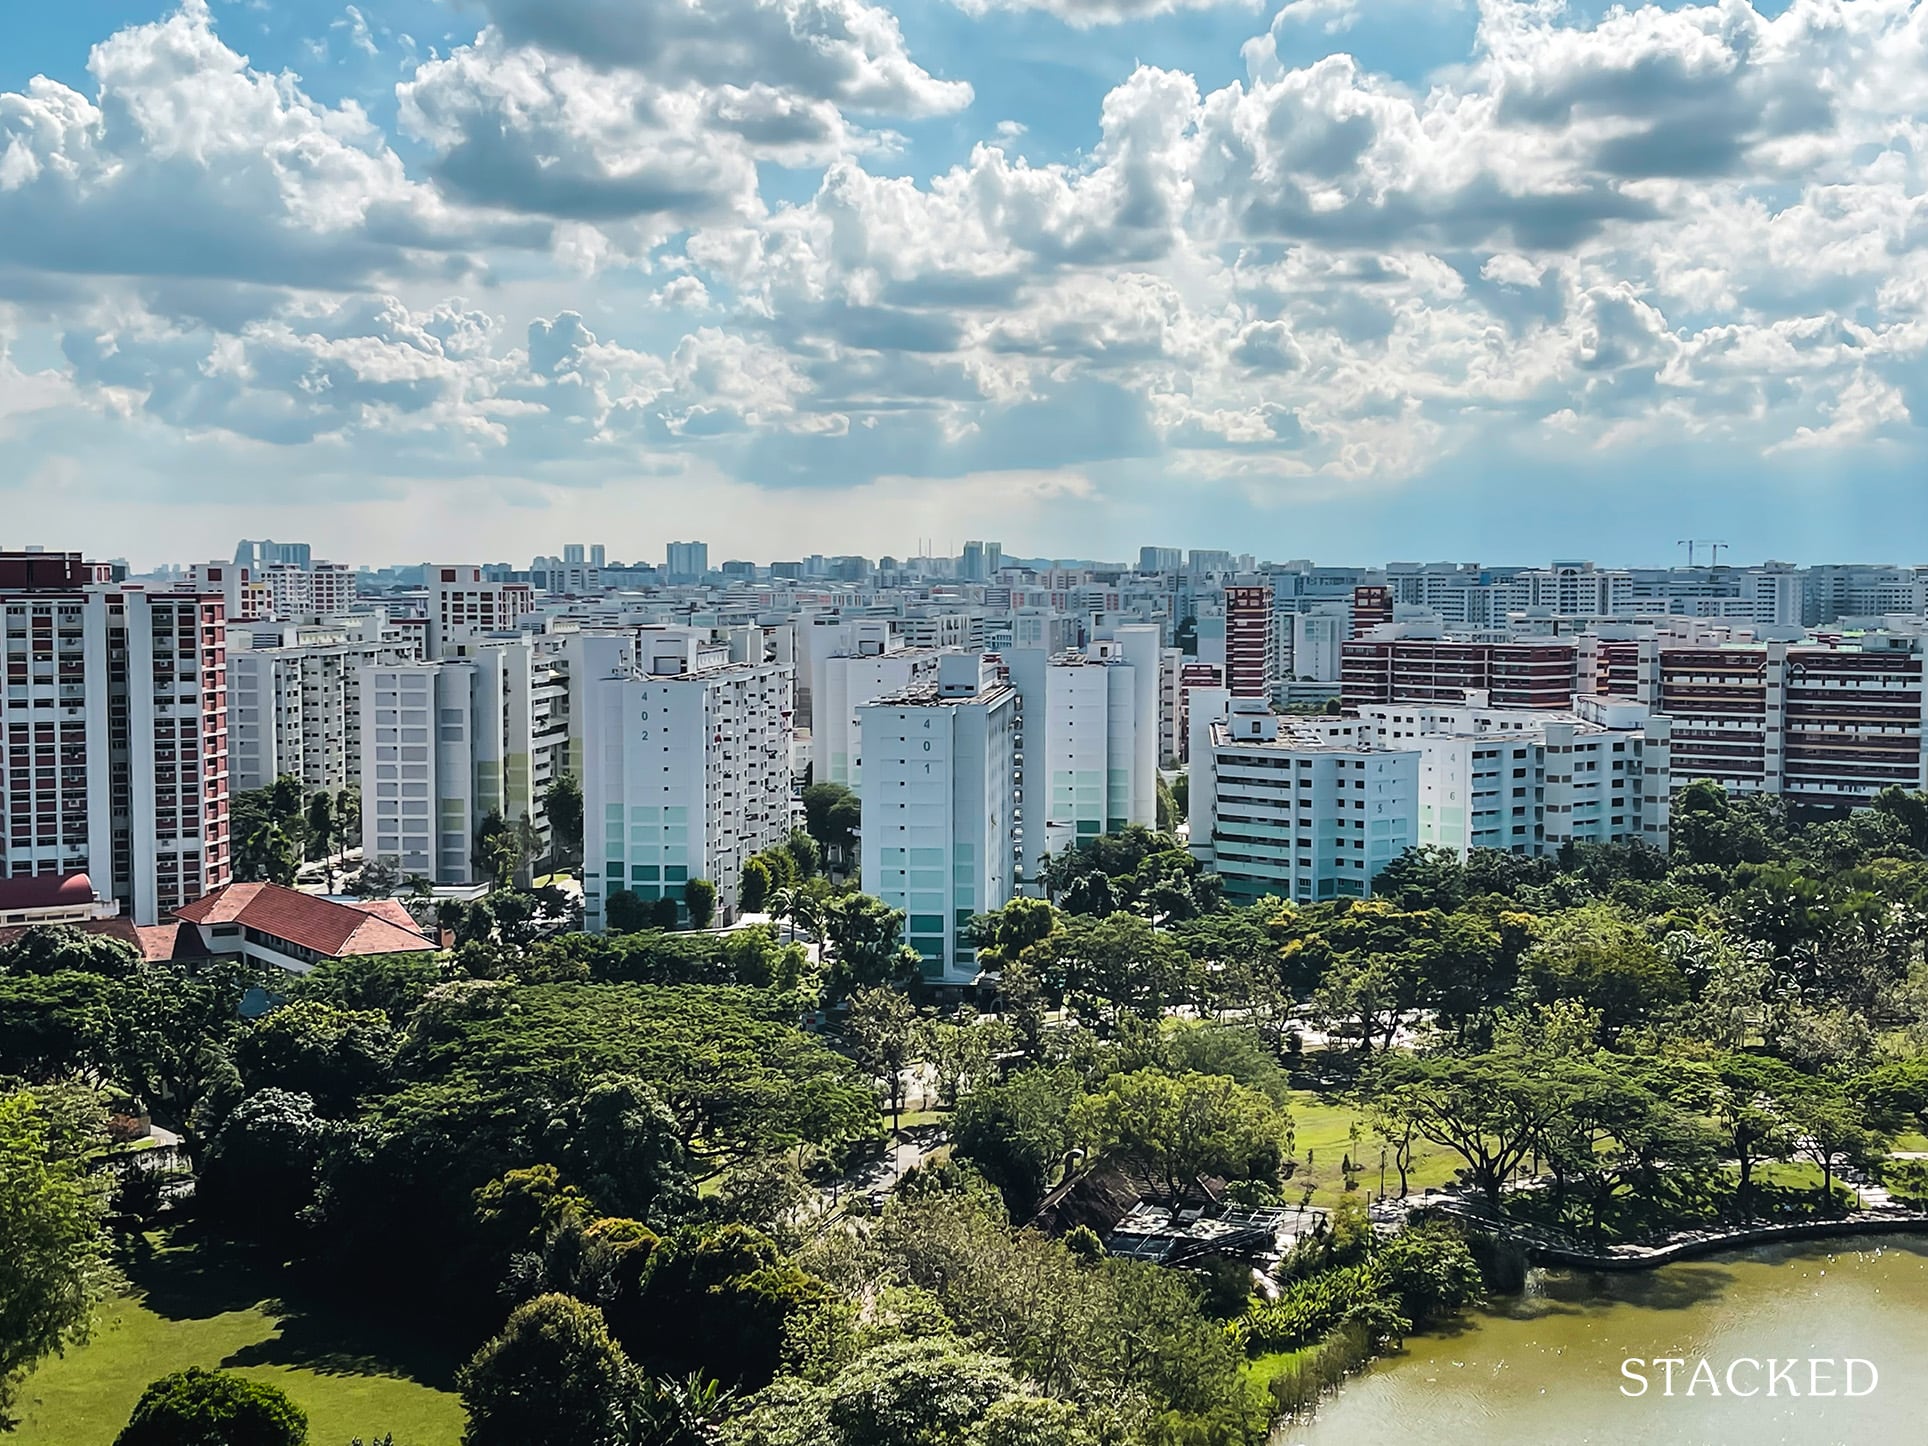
x: 1818, y: 724
x: 1371, y: 607
x: 1249, y: 652
x: 446, y: 742
x: 294, y: 699
x: 1152, y: 560
x: 463, y: 606
x: 244, y: 595
x: 1389, y: 667
x: 980, y: 562
x: 876, y: 668
x: 265, y: 554
x: 114, y: 728
x: 941, y: 832
x: 1529, y: 781
x: 1091, y: 741
x: 1318, y: 641
x: 686, y: 764
x: 1291, y: 809
x: 295, y: 594
x: 687, y: 562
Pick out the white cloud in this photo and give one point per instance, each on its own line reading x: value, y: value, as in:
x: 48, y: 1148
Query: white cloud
x: 1697, y: 223
x: 188, y: 162
x: 1085, y: 14
x: 844, y: 51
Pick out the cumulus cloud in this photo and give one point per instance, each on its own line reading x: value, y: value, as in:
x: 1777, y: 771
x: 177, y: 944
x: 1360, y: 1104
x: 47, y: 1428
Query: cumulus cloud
x: 1701, y: 223
x: 522, y: 130
x: 188, y: 162
x: 844, y: 51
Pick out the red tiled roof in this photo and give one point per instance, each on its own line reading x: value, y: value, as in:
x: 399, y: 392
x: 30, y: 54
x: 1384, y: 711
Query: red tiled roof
x: 392, y: 910
x: 45, y: 891
x: 332, y: 930
x: 161, y: 942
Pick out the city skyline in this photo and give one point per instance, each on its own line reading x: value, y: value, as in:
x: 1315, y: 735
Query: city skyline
x: 1463, y: 279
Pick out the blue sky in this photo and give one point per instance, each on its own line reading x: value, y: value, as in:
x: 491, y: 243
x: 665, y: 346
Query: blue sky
x: 1357, y: 279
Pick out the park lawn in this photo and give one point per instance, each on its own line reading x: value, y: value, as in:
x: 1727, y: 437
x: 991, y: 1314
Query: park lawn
x: 1912, y: 1142
x: 1321, y: 1129
x: 190, y: 1309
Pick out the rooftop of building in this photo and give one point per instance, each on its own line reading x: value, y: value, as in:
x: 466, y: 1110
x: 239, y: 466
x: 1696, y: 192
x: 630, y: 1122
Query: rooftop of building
x: 1296, y: 735
x: 45, y: 891
x: 333, y: 930
x: 930, y: 695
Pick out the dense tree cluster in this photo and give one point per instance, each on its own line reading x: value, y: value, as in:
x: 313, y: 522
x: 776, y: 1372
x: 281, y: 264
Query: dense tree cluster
x: 622, y: 1167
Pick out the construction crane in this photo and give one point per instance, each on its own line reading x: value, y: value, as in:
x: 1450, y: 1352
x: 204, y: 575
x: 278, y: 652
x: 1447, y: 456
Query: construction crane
x: 1690, y: 543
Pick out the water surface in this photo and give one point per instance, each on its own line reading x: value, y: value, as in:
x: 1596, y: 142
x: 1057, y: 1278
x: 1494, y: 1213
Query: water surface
x: 1548, y: 1366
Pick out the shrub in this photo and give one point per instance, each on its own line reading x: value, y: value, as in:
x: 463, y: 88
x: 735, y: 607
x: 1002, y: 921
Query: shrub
x: 213, y: 1408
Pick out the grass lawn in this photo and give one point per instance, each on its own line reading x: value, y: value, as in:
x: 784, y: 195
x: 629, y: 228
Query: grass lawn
x: 1321, y: 1129
x: 193, y: 1306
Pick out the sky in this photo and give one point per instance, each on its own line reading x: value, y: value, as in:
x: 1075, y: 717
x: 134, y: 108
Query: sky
x: 1359, y: 280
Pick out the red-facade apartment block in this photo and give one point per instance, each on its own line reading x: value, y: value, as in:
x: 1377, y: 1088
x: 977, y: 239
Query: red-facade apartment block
x: 1540, y: 675
x: 1248, y: 641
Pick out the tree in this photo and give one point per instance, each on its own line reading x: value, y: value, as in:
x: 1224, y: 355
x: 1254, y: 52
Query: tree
x: 265, y: 1162
x: 883, y: 1032
x: 53, y: 1267
x: 1707, y: 827
x: 196, y: 1407
x: 321, y: 825
x: 719, y: 1299
x: 1748, y: 1098
x: 1003, y: 936
x: 332, y: 1054
x: 502, y: 849
x: 55, y: 1024
x: 553, y: 1377
x: 1831, y: 1131
x: 753, y: 893
x: 624, y: 1147
x: 1605, y: 960
x: 866, y: 936
x: 624, y: 913
x: 393, y: 984
x: 58, y: 948
x: 831, y: 815
x: 268, y: 854
x: 1427, y: 877
x: 1186, y: 1126
x: 562, y: 805
x: 1016, y: 1132
x: 172, y: 1032
x: 805, y: 856
x: 378, y: 879
x: 348, y: 815
x: 1491, y: 1110
x: 961, y: 1053
x: 1116, y: 966
x: 699, y: 897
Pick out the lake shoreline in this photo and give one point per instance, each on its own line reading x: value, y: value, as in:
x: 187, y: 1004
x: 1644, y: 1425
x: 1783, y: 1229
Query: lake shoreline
x: 1544, y: 1248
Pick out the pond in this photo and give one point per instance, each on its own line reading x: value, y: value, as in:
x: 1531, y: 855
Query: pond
x: 1551, y: 1366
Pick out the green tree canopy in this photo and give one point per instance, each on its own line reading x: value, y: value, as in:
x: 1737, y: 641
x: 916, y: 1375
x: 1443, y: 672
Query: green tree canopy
x: 197, y: 1407
x: 553, y: 1377
x: 1185, y: 1127
x: 53, y: 1267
